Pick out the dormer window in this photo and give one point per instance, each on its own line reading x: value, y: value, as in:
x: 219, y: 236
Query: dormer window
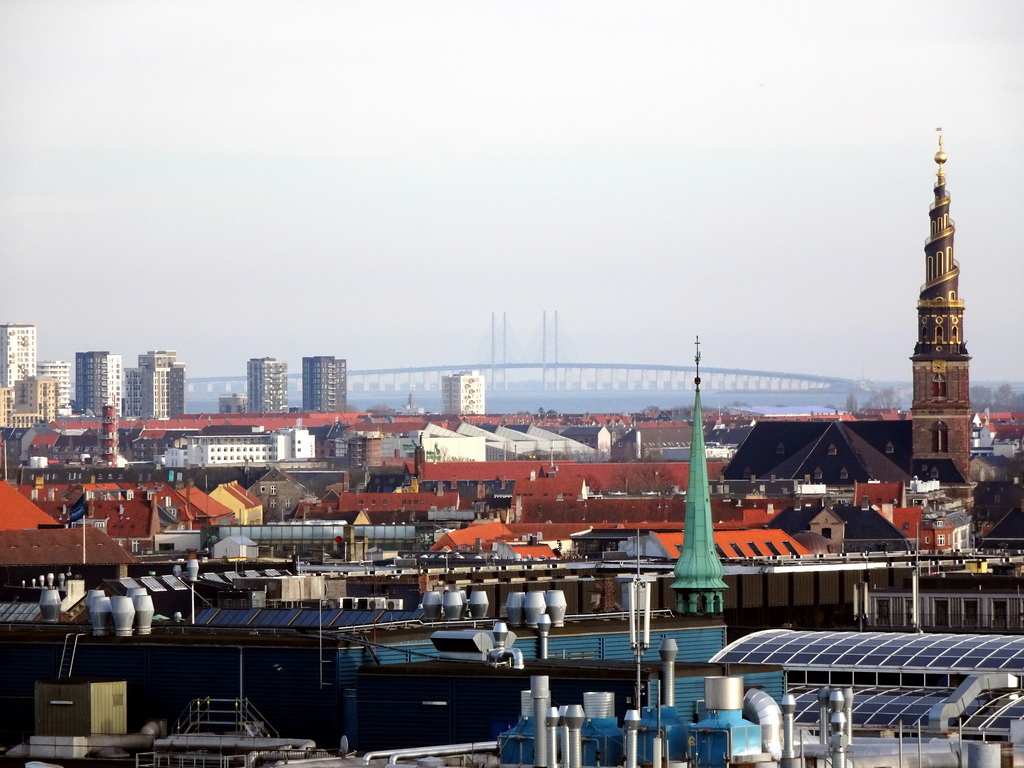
x: 817, y: 474
x: 832, y: 451
x: 780, y: 449
x: 890, y: 448
x: 844, y: 474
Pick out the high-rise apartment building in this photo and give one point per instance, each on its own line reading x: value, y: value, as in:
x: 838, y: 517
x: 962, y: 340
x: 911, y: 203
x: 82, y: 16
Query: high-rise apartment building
x: 97, y: 382
x: 156, y: 388
x: 35, y: 401
x: 462, y: 393
x: 324, y: 384
x: 59, y: 371
x: 6, y: 409
x: 268, y: 385
x: 17, y: 353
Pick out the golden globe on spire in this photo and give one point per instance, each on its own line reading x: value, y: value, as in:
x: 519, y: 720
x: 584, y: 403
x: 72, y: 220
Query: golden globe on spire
x: 940, y: 156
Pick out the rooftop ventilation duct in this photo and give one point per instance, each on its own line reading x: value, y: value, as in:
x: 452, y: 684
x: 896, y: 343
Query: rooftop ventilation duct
x: 478, y: 604
x: 533, y: 606
x: 514, y: 608
x: 99, y: 615
x: 49, y: 605
x: 554, y: 600
x: 454, y: 605
x: 123, y: 612
x: 431, y: 606
x: 144, y: 612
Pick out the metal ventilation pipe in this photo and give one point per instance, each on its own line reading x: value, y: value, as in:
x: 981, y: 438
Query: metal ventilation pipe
x: 788, y: 718
x: 543, y: 630
x: 837, y: 740
x: 552, y: 724
x: 563, y: 732
x: 668, y: 651
x: 823, y: 715
x: 630, y: 724
x: 848, y: 711
x: 541, y: 703
x: 574, y: 717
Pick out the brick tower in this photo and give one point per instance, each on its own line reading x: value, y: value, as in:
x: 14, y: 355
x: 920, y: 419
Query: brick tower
x: 941, y: 410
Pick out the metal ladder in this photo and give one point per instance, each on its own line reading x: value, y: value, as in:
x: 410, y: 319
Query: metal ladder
x: 67, y: 658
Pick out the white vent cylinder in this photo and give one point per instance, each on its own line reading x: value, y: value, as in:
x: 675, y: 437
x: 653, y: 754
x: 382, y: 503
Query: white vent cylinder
x: 514, y: 608
x: 99, y: 615
x: 526, y: 703
x: 554, y: 600
x: 123, y: 613
x: 723, y: 693
x: 599, y: 704
x: 533, y: 607
x: 478, y: 604
x: 192, y: 569
x: 431, y: 606
x: 143, y: 605
x: 49, y: 605
x: 453, y: 606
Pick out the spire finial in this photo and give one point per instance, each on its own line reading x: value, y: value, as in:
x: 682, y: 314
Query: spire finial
x: 696, y: 360
x: 940, y: 156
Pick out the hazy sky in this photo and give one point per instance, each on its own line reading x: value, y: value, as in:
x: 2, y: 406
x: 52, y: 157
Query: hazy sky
x: 373, y: 179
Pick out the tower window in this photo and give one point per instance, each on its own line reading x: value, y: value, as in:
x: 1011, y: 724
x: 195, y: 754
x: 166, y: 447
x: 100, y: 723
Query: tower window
x: 940, y: 437
x: 939, y: 385
x: 939, y: 336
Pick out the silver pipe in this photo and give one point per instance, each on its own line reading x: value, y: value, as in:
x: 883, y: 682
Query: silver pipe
x: 668, y: 650
x: 630, y: 724
x: 823, y: 715
x: 445, y: 749
x: 543, y: 630
x: 552, y: 726
x: 789, y: 758
x: 541, y: 702
x: 574, y: 717
x: 848, y: 712
x: 563, y: 725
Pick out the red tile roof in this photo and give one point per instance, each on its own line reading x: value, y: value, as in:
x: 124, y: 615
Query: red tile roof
x: 57, y: 547
x: 17, y: 512
x: 744, y: 541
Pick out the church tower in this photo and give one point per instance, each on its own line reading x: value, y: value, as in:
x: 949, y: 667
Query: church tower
x: 941, y: 410
x: 698, y: 573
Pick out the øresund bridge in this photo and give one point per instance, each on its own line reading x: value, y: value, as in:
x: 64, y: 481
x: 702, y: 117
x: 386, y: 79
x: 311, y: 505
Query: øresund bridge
x: 564, y: 377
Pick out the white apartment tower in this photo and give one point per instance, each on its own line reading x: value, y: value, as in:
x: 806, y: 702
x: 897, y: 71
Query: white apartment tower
x: 97, y: 381
x: 462, y: 393
x: 268, y: 385
x: 59, y: 371
x: 17, y: 353
x: 156, y: 388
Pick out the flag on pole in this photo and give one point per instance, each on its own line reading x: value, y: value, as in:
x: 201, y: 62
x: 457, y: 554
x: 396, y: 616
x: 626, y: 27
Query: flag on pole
x: 77, y: 511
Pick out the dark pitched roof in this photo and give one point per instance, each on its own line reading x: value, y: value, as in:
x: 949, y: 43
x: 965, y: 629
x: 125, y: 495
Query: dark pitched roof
x: 1008, y: 532
x: 825, y: 451
x: 794, y: 520
x: 943, y: 470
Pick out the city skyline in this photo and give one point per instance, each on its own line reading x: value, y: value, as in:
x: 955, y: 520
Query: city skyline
x: 374, y: 181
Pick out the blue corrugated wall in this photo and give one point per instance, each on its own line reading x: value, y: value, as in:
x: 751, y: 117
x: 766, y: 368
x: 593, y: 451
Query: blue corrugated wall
x: 283, y: 682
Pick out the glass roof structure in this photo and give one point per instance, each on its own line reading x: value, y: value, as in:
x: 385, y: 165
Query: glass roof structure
x: 897, y: 651
x: 298, y: 618
x: 896, y: 677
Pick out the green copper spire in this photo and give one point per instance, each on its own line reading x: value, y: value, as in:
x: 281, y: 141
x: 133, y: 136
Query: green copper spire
x: 698, y: 584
